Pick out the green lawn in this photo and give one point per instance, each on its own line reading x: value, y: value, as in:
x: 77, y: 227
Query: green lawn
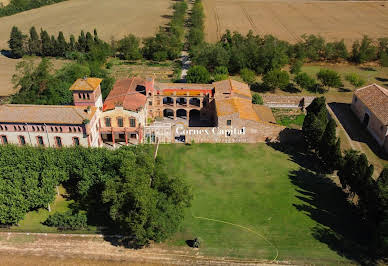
x: 33, y: 220
x: 254, y: 185
x: 289, y: 117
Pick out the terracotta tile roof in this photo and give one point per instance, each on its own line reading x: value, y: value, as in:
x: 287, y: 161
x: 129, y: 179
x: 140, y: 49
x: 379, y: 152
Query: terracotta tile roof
x: 230, y: 87
x: 49, y: 114
x: 88, y: 84
x: 264, y: 113
x: 236, y: 105
x: 375, y: 98
x: 127, y: 93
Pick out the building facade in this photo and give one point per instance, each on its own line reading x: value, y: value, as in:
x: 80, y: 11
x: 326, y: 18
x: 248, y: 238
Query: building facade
x: 370, y: 105
x: 140, y: 111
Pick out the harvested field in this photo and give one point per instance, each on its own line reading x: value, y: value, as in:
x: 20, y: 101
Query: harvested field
x: 114, y: 18
x: 4, y: 2
x: 289, y: 19
x: 8, y: 69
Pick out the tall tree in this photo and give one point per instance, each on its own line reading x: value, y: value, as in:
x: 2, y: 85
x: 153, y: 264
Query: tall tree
x: 72, y: 44
x: 330, y: 147
x: 16, y: 42
x: 62, y: 45
x: 82, y: 44
x: 315, y: 123
x: 47, y: 46
x: 34, y: 42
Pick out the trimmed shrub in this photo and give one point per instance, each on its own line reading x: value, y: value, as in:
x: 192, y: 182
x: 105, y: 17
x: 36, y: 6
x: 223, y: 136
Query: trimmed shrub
x: 67, y: 220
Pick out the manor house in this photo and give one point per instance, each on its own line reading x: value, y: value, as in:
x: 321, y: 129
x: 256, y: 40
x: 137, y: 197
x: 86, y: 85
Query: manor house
x: 140, y: 111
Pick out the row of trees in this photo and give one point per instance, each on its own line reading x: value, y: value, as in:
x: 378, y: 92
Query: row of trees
x: 45, y: 45
x: 17, y: 6
x: 125, y: 190
x: 265, y: 53
x: 354, y: 171
x: 196, y: 34
x: 166, y: 44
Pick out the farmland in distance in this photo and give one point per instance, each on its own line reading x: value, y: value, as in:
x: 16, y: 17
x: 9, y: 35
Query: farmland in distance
x: 289, y: 19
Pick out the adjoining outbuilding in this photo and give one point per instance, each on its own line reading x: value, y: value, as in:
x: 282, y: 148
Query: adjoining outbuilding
x: 370, y: 105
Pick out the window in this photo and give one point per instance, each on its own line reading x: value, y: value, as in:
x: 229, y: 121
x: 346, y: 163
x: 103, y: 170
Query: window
x: 228, y: 122
x: 4, y: 139
x: 22, y: 140
x: 33, y: 128
x: 83, y: 95
x: 76, y: 141
x: 107, y: 122
x: 120, y: 122
x: 40, y: 140
x: 70, y: 129
x: 150, y: 103
x: 133, y: 136
x: 88, y: 96
x: 132, y: 122
x: 79, y: 95
x: 228, y: 133
x: 1, y: 127
x: 58, y: 142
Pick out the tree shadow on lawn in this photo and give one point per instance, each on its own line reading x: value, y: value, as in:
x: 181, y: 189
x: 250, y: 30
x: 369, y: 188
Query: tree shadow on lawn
x: 340, y: 225
x: 354, y: 128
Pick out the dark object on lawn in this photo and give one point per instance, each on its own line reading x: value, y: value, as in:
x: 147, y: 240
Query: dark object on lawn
x: 196, y: 242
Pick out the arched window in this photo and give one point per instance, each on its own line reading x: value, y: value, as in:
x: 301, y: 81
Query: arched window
x: 88, y: 96
x: 33, y: 128
x: 52, y: 129
x: 70, y: 129
x: 60, y: 129
x: 42, y: 128
x: 56, y: 129
x: 79, y: 95
x: 14, y: 127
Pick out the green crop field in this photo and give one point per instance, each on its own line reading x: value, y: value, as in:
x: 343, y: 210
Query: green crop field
x: 266, y: 191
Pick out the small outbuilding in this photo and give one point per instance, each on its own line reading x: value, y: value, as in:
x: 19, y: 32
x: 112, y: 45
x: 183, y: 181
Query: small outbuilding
x: 370, y: 104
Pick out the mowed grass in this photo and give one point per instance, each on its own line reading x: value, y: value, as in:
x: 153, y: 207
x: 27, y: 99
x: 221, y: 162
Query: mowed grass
x: 248, y: 185
x: 33, y: 221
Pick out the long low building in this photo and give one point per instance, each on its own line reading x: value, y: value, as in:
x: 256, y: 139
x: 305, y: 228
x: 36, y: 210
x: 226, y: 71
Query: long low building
x: 140, y: 111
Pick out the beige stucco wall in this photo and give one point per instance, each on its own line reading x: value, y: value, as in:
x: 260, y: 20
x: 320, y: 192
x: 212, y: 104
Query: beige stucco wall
x: 125, y: 114
x: 377, y: 129
x: 48, y: 138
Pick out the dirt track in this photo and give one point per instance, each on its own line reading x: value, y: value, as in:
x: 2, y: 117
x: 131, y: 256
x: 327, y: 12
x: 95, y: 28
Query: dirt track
x: 289, y: 19
x: 54, y: 249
